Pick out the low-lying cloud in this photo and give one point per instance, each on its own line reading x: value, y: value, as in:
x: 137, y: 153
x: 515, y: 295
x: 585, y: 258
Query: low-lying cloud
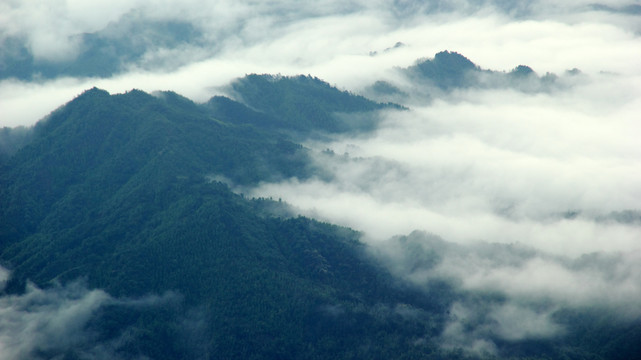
x: 524, y: 190
x: 520, y: 272
x: 46, y: 322
x: 59, y: 321
x: 497, y: 165
x: 513, y: 292
x: 472, y: 327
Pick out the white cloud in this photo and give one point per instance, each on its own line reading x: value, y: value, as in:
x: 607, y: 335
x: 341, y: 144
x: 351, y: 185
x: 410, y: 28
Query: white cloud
x: 494, y: 165
x: 503, y: 166
x: 61, y: 320
x: 51, y: 29
x: 513, y: 292
x: 46, y: 321
x: 476, y: 330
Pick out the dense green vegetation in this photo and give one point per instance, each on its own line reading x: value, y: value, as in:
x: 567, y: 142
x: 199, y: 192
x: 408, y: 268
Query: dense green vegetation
x: 447, y: 70
x: 117, y: 190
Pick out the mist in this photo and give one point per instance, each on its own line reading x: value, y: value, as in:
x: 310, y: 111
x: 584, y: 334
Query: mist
x: 515, y: 196
x: 69, y: 321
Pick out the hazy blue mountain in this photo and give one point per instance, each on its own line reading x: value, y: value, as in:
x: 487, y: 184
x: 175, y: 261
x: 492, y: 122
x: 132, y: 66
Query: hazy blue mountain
x: 447, y: 70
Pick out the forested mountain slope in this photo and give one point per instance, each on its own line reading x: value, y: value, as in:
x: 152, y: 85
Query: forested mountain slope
x: 117, y: 190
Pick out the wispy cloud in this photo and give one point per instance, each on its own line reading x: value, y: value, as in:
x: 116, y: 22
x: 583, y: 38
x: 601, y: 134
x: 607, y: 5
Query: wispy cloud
x: 46, y: 321
x: 52, y: 322
x: 517, y: 184
x: 515, y: 292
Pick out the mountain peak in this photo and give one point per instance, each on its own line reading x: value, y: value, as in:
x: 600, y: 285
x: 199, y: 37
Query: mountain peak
x: 94, y: 91
x: 446, y: 70
x: 453, y: 60
x: 522, y: 71
x: 301, y: 103
x: 89, y: 95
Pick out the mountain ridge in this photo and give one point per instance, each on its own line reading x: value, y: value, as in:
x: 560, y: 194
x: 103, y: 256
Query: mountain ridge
x: 130, y: 193
x: 449, y: 71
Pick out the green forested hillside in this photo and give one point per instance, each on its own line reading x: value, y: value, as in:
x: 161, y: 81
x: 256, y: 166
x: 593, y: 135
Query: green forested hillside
x: 100, y: 145
x: 116, y: 190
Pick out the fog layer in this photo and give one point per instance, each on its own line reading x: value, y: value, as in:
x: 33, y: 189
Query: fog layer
x: 532, y: 197
x: 68, y: 320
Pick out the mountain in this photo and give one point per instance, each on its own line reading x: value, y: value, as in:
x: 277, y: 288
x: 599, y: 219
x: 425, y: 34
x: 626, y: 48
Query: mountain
x: 12, y: 139
x: 304, y: 103
x: 119, y: 191
x: 448, y: 71
x: 102, y: 141
x: 124, y: 240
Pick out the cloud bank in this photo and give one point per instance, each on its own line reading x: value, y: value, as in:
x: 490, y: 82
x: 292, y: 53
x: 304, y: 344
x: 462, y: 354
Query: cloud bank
x: 514, y: 292
x: 498, y: 165
x: 524, y: 188
x: 331, y: 40
x: 64, y: 321
x: 46, y: 322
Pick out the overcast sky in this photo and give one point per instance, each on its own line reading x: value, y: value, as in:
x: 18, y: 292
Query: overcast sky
x: 473, y: 167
